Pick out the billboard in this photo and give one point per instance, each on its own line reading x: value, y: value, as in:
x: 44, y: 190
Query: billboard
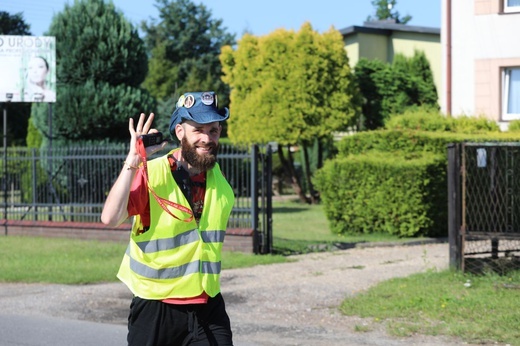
x: 27, y: 68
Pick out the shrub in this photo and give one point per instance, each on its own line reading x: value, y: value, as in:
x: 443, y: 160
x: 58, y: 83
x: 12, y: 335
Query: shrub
x: 423, y: 118
x: 376, y: 192
x: 426, y: 118
x: 467, y: 124
x: 514, y: 126
x: 392, y: 88
x: 409, y: 141
x: 392, y: 181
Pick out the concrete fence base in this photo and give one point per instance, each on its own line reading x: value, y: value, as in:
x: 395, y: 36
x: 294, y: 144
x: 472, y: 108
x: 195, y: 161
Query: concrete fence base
x: 237, y: 239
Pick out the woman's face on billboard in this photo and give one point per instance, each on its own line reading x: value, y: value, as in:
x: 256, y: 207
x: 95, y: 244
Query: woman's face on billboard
x: 37, y: 70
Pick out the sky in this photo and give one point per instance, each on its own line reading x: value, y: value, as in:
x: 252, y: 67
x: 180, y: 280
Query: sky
x: 257, y: 17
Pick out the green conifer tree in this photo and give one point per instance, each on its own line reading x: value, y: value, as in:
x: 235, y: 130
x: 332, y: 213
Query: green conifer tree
x: 392, y: 88
x: 385, y: 10
x: 101, y: 62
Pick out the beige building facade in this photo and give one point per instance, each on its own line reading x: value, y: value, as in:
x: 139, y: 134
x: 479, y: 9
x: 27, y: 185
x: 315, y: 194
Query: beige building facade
x: 481, y: 59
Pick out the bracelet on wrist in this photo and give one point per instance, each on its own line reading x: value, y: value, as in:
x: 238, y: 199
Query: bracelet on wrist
x: 129, y: 166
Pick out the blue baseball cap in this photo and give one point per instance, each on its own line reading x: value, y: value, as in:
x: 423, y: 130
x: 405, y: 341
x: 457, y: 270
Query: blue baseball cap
x: 200, y: 107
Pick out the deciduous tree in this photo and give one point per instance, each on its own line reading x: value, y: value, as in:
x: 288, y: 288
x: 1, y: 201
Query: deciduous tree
x: 185, y: 46
x: 292, y: 88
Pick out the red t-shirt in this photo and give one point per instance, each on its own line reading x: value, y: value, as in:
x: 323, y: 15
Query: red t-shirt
x: 139, y: 204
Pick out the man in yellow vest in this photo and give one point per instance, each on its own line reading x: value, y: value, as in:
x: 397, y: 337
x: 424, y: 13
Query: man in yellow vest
x: 181, y: 203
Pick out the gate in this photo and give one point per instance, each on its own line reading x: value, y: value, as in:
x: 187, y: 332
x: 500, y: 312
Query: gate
x: 68, y: 186
x: 249, y: 171
x: 484, y: 206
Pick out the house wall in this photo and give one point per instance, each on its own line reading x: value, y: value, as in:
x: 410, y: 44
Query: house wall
x: 369, y: 46
x: 484, y: 41
x: 488, y: 76
x: 462, y: 57
x: 374, y: 47
x: 352, y: 49
x: 487, y: 6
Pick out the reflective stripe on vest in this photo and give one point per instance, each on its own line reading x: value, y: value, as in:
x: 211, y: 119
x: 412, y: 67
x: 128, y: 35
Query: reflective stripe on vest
x: 176, y: 259
x: 181, y: 239
x: 174, y: 272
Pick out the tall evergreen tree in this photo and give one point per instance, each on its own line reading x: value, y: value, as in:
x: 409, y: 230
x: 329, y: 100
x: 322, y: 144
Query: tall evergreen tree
x: 385, y: 11
x: 13, y: 24
x: 366, y: 72
x: 185, y: 46
x: 16, y: 129
x: 392, y: 88
x: 421, y: 69
x: 292, y: 88
x: 101, y: 63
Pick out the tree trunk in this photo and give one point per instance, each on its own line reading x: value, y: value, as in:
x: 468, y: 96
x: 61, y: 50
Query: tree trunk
x: 314, y: 196
x: 289, y: 168
x: 319, y: 163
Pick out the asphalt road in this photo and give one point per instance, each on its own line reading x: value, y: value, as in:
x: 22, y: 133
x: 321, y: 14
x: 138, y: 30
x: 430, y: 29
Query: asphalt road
x: 19, y: 330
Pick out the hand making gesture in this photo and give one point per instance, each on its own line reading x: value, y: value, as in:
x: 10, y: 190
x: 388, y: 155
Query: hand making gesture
x: 134, y: 159
x: 115, y: 208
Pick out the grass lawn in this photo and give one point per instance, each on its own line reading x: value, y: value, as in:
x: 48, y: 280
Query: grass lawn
x: 297, y: 228
x: 483, y: 309
x: 302, y: 228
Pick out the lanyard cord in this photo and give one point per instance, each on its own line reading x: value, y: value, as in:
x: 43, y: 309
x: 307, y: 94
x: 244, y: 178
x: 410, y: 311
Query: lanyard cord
x: 164, y: 203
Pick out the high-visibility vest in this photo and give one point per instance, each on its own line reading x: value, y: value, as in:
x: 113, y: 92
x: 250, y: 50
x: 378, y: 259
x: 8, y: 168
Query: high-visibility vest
x: 174, y: 258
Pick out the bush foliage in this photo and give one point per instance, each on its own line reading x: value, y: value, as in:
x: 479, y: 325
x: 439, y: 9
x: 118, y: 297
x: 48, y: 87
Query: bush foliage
x: 514, y: 126
x: 429, y: 119
x: 394, y: 179
x: 376, y: 192
x: 392, y: 88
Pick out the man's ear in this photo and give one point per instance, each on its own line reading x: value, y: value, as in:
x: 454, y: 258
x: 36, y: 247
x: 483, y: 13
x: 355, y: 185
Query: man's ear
x: 179, y: 131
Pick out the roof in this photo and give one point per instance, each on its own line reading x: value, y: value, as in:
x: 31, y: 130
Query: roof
x: 387, y: 28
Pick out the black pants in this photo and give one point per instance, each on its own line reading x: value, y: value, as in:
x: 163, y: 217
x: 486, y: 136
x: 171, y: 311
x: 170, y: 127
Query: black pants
x: 154, y: 323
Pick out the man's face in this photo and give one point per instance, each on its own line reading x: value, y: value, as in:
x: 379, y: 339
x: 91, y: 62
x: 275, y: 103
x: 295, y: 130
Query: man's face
x: 199, y: 144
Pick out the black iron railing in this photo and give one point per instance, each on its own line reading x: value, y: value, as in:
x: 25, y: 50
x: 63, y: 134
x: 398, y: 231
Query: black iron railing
x: 70, y: 185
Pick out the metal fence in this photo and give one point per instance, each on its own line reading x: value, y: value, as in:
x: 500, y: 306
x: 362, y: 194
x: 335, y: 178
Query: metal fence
x: 484, y: 206
x: 71, y: 183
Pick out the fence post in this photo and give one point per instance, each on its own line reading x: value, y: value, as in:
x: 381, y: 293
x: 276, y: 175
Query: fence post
x: 5, y: 169
x: 34, y: 182
x: 454, y: 205
x: 268, y: 173
x: 254, y: 198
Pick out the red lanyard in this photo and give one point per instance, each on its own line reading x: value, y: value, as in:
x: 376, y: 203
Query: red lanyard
x: 164, y: 203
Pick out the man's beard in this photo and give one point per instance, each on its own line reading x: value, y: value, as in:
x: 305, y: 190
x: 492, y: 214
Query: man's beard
x: 202, y: 162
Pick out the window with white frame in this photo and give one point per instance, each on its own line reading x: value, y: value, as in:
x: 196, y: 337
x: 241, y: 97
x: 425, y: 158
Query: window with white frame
x: 511, y: 6
x: 511, y: 93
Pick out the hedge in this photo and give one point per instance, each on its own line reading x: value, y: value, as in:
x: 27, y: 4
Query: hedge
x: 392, y: 181
x: 375, y: 192
x: 411, y: 141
